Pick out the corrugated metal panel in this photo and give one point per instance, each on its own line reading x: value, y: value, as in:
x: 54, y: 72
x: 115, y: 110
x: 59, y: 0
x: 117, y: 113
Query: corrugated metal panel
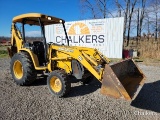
x: 114, y: 37
x: 104, y: 34
x: 49, y: 33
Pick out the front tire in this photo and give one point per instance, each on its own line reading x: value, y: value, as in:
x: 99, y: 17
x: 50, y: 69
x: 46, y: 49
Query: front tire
x: 22, y: 69
x: 59, y: 83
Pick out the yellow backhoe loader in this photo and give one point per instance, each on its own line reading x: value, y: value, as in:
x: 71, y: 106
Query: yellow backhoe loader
x: 61, y: 62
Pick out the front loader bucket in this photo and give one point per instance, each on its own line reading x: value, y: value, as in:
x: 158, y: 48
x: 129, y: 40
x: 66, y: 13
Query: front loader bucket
x: 122, y: 80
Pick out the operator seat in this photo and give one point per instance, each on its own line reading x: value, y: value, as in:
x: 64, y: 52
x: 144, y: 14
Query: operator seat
x: 38, y: 49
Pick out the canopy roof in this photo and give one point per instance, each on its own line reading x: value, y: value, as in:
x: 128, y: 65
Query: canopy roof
x: 32, y: 19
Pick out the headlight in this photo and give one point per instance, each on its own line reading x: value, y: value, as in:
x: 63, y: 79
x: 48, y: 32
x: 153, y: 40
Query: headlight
x: 60, y: 21
x: 49, y: 18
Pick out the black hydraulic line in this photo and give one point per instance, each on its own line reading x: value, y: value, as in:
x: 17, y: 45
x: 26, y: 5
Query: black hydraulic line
x: 65, y: 33
x: 44, y: 39
x: 23, y: 31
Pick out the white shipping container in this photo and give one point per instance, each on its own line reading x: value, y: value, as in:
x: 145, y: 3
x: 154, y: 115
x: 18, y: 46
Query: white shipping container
x: 104, y: 34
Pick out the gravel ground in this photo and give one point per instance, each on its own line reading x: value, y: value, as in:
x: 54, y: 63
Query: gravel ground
x: 84, y: 102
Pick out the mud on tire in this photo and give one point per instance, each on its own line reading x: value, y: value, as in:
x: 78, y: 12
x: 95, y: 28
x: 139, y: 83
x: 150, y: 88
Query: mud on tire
x: 22, y: 69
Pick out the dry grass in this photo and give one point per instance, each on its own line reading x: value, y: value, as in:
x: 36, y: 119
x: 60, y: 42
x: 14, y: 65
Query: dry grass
x: 149, y: 49
x: 146, y: 48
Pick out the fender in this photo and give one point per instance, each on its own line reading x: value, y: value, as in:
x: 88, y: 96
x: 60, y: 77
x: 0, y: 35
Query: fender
x: 34, y: 59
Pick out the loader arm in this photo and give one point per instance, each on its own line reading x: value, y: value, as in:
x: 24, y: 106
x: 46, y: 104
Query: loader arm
x: 86, y: 56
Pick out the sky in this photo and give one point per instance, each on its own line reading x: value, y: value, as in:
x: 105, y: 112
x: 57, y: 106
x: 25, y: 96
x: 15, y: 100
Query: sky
x: 69, y: 10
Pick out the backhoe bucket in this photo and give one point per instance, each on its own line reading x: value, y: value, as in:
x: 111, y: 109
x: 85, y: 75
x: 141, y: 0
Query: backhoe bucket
x: 122, y: 80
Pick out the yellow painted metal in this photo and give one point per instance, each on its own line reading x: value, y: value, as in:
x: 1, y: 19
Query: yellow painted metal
x: 49, y: 65
x: 76, y: 53
x: 90, y: 59
x: 61, y: 58
x: 66, y: 65
x: 17, y: 42
x: 55, y: 84
x: 18, y: 69
x: 104, y: 57
x: 16, y: 39
x: 34, y: 59
x: 32, y: 19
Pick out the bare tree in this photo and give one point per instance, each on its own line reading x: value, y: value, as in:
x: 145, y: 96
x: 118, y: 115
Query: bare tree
x: 119, y: 8
x: 155, y: 16
x: 132, y: 5
x: 128, y: 9
x: 148, y: 23
x: 97, y: 8
x: 125, y: 9
x: 142, y: 15
x: 102, y: 7
x: 137, y: 38
x: 87, y: 5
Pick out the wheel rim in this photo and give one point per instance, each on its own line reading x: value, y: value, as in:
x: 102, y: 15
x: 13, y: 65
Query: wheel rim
x: 18, y: 69
x: 55, y: 84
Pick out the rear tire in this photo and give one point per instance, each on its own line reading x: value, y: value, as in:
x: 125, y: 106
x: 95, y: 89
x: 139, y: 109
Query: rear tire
x: 22, y: 69
x: 59, y: 83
